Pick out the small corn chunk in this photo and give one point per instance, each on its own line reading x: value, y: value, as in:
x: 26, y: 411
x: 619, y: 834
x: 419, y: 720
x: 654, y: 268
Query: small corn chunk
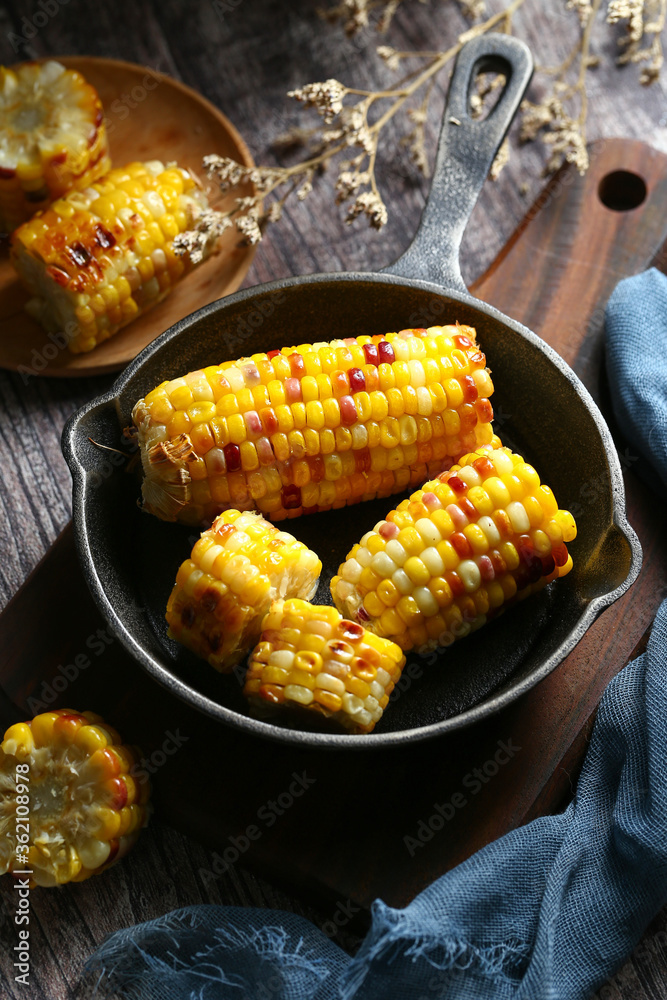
x: 463, y: 547
x: 98, y: 258
x: 52, y: 138
x: 313, y: 427
x: 311, y: 658
x: 67, y: 779
x: 222, y: 592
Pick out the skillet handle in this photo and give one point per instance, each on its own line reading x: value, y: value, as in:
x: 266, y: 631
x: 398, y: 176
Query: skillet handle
x: 466, y: 151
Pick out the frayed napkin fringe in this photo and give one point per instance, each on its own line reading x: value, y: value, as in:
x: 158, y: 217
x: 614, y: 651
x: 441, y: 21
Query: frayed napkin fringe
x: 393, y: 936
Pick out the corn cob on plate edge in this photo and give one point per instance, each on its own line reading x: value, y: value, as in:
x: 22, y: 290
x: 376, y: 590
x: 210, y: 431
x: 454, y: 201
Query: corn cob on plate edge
x: 196, y: 127
x: 97, y: 259
x: 50, y: 144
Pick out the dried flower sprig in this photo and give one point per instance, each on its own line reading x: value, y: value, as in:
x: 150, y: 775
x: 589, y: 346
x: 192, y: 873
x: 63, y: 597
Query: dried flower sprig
x: 197, y: 242
x: 355, y: 15
x: 645, y: 23
x: 550, y: 119
x: 352, y: 121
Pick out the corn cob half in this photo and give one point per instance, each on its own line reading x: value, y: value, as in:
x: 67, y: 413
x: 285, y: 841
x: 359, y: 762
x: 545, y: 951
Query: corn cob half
x: 461, y: 548
x: 69, y: 804
x: 225, y: 588
x: 98, y: 258
x: 313, y: 427
x: 311, y: 658
x: 52, y: 138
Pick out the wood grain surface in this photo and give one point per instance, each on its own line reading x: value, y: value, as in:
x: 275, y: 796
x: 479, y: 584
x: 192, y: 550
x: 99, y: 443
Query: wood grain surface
x: 244, y: 61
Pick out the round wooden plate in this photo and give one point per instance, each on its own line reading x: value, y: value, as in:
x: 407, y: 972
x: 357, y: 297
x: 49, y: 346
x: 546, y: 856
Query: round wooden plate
x: 149, y: 116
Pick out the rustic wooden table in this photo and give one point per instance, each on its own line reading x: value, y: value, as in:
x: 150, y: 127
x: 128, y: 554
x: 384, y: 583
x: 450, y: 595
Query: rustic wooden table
x: 244, y: 57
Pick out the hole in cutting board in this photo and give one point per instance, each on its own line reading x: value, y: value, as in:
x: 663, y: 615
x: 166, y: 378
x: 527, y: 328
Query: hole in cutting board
x: 621, y: 191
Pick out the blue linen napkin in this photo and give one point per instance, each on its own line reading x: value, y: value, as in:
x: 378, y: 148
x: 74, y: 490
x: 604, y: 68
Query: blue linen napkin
x: 636, y: 323
x: 547, y: 912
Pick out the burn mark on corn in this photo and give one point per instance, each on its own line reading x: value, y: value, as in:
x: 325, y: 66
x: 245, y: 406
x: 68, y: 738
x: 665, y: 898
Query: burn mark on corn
x: 188, y: 615
x: 103, y: 237
x: 78, y: 253
x: 59, y: 276
x: 209, y: 602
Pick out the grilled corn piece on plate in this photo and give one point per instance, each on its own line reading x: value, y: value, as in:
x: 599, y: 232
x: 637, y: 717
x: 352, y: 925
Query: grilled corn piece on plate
x: 98, y: 258
x: 52, y: 138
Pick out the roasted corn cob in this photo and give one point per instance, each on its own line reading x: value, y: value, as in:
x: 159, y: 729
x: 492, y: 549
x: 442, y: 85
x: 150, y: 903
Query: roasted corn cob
x: 52, y: 138
x: 225, y: 588
x: 314, y: 426
x: 309, y: 657
x: 98, y: 258
x: 69, y: 804
x: 454, y: 554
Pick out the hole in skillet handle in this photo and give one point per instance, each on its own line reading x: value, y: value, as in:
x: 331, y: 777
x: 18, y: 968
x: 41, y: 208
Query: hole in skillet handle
x: 466, y: 151
x: 487, y: 89
x: 621, y: 191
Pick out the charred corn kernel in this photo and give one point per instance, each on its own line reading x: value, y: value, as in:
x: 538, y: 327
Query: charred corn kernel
x: 437, y: 551
x: 70, y: 775
x: 348, y: 681
x: 52, y: 139
x: 225, y: 588
x: 96, y: 245
x: 365, y: 407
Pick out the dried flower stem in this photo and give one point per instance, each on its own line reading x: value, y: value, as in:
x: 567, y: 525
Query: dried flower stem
x: 345, y: 111
x: 646, y: 18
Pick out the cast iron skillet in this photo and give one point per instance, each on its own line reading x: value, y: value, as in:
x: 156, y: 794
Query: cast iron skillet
x: 130, y: 559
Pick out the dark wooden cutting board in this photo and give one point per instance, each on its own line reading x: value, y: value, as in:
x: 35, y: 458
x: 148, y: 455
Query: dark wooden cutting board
x: 386, y: 823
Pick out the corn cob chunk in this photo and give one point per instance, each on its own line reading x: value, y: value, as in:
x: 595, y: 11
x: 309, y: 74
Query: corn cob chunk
x: 98, y: 258
x: 313, y: 427
x: 52, y: 138
x: 76, y: 794
x: 461, y: 548
x: 311, y: 658
x: 225, y: 588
